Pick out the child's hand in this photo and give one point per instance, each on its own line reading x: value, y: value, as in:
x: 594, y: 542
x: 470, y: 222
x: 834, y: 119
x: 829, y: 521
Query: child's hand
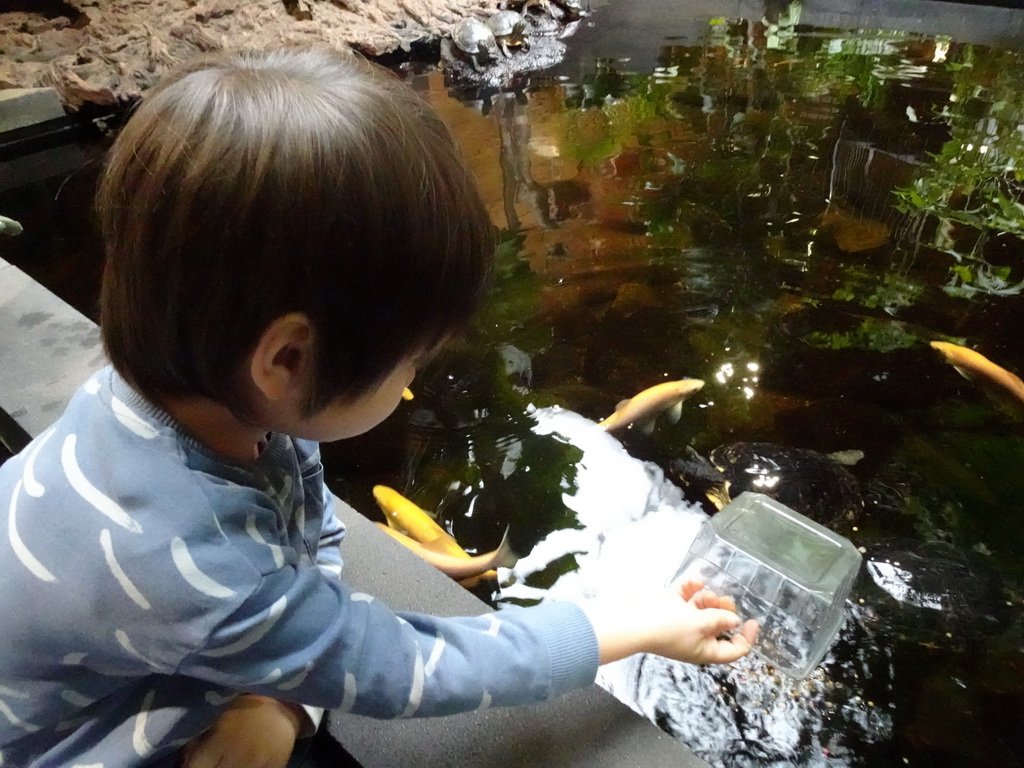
x: 707, y: 641
x: 253, y: 732
x: 689, y: 625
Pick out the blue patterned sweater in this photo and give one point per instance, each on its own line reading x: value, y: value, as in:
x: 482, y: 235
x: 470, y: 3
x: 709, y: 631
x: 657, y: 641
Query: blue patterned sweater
x: 146, y: 582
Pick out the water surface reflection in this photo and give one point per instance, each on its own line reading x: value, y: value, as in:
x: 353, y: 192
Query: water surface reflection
x: 790, y: 213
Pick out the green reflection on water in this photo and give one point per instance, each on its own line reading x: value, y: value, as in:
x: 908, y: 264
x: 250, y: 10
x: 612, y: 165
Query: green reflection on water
x: 790, y: 214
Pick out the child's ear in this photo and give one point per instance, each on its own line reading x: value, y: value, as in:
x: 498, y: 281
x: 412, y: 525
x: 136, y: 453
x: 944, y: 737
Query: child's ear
x: 282, y: 362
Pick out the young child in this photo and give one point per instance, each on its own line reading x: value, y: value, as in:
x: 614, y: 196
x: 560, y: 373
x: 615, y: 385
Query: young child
x: 288, y: 233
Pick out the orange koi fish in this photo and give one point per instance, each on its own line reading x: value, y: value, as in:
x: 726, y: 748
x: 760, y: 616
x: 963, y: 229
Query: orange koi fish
x: 976, y: 367
x: 667, y: 396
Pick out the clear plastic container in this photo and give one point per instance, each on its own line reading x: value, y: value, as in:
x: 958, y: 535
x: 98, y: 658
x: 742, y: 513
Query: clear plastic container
x: 790, y: 573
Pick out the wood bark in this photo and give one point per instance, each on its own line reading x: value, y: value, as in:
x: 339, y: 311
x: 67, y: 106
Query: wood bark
x: 107, y: 52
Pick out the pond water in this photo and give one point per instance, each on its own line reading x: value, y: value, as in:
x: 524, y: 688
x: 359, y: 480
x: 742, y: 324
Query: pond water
x: 790, y: 213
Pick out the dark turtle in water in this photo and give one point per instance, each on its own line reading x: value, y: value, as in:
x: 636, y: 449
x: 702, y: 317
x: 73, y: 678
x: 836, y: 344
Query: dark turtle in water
x: 939, y: 590
x: 812, y: 483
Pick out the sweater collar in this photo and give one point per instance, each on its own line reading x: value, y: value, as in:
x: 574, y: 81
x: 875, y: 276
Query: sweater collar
x: 276, y: 447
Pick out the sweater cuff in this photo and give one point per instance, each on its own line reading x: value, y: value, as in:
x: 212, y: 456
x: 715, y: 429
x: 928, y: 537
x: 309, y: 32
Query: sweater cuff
x: 571, y: 641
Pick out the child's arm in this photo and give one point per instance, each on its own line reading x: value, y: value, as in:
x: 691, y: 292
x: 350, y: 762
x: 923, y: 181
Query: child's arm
x: 253, y: 732
x: 231, y: 742
x: 332, y: 532
x: 690, y: 625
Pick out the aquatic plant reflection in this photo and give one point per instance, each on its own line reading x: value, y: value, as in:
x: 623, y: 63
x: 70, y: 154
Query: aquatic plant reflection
x: 790, y: 214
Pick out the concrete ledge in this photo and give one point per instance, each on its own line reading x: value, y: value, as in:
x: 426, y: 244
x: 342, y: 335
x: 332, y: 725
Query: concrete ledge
x: 48, y: 349
x: 965, y: 23
x: 585, y: 729
x: 654, y: 23
x: 27, y: 106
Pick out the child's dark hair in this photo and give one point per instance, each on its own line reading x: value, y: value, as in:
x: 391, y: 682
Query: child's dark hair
x: 252, y: 184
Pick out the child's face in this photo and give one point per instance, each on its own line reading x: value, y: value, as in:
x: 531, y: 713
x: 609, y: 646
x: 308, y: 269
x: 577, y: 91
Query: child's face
x: 348, y: 418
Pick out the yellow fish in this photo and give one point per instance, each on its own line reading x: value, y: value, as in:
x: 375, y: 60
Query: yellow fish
x: 417, y: 530
x: 465, y: 568
x: 667, y: 396
x: 975, y: 366
x: 405, y: 516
